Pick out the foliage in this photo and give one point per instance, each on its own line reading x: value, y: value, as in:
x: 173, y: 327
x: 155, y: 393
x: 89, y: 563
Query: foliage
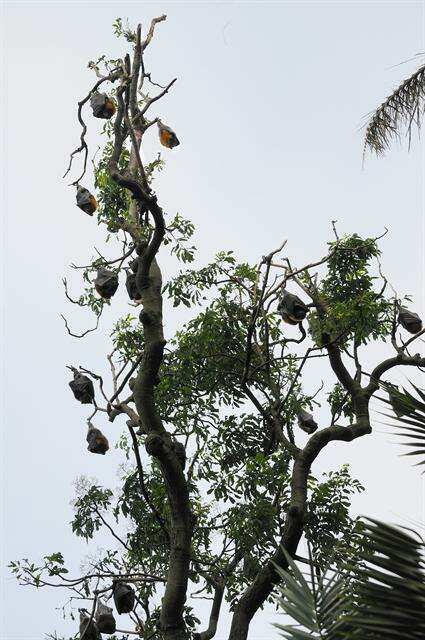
x: 353, y: 309
x: 88, y: 508
x: 340, y: 402
x: 29, y: 573
x: 387, y: 585
x: 317, y: 606
x: 127, y: 338
x: 391, y: 592
x: 188, y: 287
x: 123, y: 31
x: 329, y: 528
x: 114, y: 201
x: 411, y: 425
x: 239, y: 478
x: 184, y: 229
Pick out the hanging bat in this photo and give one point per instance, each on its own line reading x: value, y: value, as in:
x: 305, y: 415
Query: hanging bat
x: 106, y: 283
x: 98, y: 443
x: 409, y: 320
x: 103, y: 107
x: 167, y: 136
x: 306, y: 422
x: 82, y: 388
x: 292, y: 308
x: 86, y: 201
x: 124, y: 597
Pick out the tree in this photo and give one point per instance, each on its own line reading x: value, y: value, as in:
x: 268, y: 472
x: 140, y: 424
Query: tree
x: 217, y: 490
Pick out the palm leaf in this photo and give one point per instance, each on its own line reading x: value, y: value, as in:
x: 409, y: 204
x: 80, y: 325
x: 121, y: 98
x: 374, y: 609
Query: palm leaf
x: 403, y: 109
x: 387, y: 601
x: 410, y: 425
x: 390, y: 601
x: 316, y: 606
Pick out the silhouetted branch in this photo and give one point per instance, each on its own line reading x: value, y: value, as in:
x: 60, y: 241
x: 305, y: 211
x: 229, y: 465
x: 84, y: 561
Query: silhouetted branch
x: 81, y: 335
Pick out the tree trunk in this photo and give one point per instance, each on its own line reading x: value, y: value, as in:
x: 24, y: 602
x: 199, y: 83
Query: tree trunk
x: 257, y: 593
x: 175, y: 634
x: 159, y: 445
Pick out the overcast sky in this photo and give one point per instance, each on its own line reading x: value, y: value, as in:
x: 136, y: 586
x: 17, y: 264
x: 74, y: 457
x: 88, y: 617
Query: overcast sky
x: 268, y: 106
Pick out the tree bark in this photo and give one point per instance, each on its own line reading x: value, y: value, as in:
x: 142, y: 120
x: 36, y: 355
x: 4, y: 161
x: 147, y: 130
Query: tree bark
x: 210, y: 631
x: 159, y: 445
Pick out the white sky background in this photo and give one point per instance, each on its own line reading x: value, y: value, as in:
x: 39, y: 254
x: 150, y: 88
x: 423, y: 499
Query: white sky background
x: 268, y: 105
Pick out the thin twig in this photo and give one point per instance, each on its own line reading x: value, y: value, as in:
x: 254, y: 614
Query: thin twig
x: 75, y: 335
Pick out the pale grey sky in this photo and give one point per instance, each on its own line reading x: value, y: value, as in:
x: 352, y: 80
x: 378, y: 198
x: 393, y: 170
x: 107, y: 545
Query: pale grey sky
x: 268, y: 105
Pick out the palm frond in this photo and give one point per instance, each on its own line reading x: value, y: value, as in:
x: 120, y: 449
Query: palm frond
x: 390, y: 603
x: 403, y: 109
x: 408, y: 412
x: 316, y: 606
x: 387, y: 587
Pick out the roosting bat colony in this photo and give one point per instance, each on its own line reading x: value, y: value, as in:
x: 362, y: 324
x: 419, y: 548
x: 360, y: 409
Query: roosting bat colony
x: 103, y: 621
x: 106, y: 283
x: 130, y: 177
x: 291, y: 309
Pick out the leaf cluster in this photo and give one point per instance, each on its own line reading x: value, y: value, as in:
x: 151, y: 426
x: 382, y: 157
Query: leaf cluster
x: 353, y: 309
x: 114, y: 200
x: 127, y: 338
x: 88, y: 507
x: 329, y: 528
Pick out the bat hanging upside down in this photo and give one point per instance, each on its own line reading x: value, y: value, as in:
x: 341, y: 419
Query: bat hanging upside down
x: 86, y: 201
x: 103, y: 107
x: 167, y: 136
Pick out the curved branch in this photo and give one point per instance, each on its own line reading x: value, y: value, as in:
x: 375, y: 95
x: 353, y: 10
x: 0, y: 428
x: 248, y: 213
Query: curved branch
x: 399, y: 360
x: 81, y: 335
x: 114, y: 75
x: 158, y: 97
x: 151, y: 31
x: 211, y: 630
x: 110, y: 529
x: 121, y: 259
